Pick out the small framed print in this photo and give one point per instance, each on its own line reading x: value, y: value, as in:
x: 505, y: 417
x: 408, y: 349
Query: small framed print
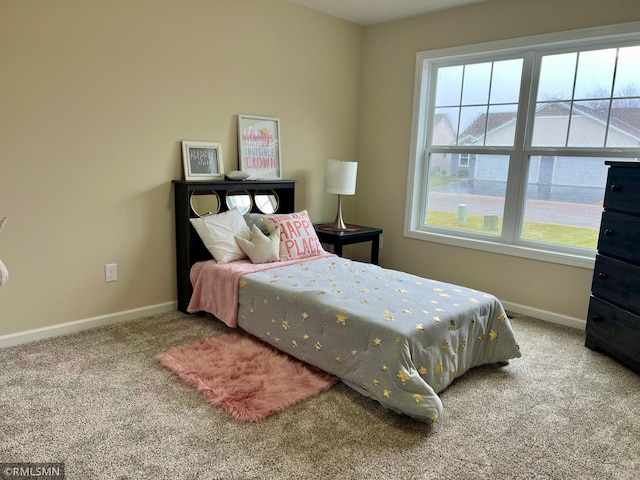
x: 259, y: 147
x: 202, y: 160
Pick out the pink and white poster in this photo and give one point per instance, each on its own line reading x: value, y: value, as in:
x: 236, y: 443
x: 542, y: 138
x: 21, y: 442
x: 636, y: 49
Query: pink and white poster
x: 259, y: 147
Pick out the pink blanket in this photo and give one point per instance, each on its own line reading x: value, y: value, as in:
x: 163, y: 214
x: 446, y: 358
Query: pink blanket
x: 215, y: 286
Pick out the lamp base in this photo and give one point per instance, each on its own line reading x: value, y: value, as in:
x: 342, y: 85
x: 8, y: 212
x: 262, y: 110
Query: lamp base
x: 338, y: 223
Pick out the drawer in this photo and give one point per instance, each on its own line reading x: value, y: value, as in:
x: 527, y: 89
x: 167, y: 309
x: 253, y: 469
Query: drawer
x: 620, y: 236
x: 623, y: 189
x: 617, y: 282
x: 614, y: 330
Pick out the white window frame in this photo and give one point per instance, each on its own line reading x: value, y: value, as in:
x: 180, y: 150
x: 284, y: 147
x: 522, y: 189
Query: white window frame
x: 415, y: 211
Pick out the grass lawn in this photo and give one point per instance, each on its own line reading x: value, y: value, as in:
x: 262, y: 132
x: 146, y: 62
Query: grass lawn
x: 536, y: 231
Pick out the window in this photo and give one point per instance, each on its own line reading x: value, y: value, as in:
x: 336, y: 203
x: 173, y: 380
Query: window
x: 509, y: 141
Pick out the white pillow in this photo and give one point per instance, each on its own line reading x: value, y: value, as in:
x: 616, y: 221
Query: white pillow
x: 298, y: 238
x: 260, y: 248
x: 218, y: 233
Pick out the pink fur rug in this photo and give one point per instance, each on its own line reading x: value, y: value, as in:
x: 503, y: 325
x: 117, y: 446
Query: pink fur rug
x: 249, y: 378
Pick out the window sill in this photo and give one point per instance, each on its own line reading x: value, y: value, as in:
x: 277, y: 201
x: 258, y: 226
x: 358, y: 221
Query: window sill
x: 523, y: 251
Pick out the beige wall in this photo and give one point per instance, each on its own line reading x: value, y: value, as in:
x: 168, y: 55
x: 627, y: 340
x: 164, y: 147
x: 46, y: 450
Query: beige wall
x: 95, y: 97
x: 385, y: 129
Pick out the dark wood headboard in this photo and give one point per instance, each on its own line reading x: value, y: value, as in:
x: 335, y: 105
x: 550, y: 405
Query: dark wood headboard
x: 189, y: 247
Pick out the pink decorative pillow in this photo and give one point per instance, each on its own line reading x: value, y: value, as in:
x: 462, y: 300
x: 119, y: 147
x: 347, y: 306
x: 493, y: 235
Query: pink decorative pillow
x: 298, y: 238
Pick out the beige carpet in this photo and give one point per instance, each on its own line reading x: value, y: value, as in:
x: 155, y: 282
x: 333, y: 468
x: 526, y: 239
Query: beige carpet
x: 100, y: 402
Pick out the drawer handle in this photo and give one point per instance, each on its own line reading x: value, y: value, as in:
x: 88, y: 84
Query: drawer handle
x: 608, y: 233
x: 597, y: 318
x: 615, y: 188
x: 603, y: 276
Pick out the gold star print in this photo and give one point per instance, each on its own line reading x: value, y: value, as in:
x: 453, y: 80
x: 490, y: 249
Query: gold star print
x: 452, y: 325
x: 338, y: 292
x: 444, y: 295
x: 403, y: 376
x: 386, y: 392
x: 305, y: 336
x: 417, y: 397
x: 434, y: 418
x: 338, y: 360
x: 277, y: 340
x: 425, y: 312
x: 354, y: 353
x: 389, y: 318
x: 386, y: 311
x: 296, y: 295
x: 463, y: 343
x: 438, y: 289
x: 285, y: 325
x: 493, y: 334
x: 294, y: 343
x: 342, y: 317
x: 321, y: 292
x: 274, y: 280
x: 406, y: 310
x: 422, y: 370
x: 439, y: 310
x: 384, y: 368
x: 365, y: 301
x: 401, y: 290
x: 438, y: 368
x: 318, y: 346
x: 445, y: 346
x: 375, y: 383
x: 273, y: 320
x: 437, y: 319
x: 243, y: 283
x: 502, y: 317
x: 377, y: 342
x: 473, y: 300
x: 304, y: 315
x: 398, y: 339
x: 481, y: 337
x: 420, y: 327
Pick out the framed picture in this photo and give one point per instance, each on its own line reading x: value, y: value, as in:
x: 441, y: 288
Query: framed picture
x: 259, y: 147
x: 202, y: 160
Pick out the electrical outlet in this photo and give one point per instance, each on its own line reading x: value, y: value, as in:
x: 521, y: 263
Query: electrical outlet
x: 110, y: 272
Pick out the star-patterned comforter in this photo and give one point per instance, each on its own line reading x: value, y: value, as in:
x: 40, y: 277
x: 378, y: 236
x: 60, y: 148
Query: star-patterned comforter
x: 393, y: 336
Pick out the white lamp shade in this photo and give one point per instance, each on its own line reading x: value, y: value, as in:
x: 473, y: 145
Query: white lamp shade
x: 341, y: 177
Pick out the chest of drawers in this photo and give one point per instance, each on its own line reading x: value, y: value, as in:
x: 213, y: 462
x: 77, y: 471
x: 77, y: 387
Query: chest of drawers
x: 613, y: 323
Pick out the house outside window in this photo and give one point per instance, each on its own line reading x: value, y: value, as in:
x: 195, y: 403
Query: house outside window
x: 509, y: 141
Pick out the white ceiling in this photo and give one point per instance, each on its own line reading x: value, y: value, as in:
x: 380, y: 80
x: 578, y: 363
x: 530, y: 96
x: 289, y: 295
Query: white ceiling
x: 370, y: 12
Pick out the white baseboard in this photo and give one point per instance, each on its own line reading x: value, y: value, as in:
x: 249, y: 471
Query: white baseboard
x: 79, y: 325
x: 547, y: 316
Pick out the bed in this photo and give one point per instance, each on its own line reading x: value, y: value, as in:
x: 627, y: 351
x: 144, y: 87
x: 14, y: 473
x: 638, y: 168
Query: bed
x: 392, y: 336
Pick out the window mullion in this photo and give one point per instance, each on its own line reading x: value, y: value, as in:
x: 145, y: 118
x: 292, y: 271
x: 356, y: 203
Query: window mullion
x: 517, y: 179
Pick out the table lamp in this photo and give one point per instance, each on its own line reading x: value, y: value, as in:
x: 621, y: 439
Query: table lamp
x: 340, y: 180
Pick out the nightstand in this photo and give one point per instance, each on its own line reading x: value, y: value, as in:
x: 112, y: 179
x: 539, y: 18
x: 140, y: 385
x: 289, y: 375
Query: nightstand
x: 353, y: 234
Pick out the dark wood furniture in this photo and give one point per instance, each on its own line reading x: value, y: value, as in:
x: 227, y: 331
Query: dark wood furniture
x: 339, y: 238
x: 189, y: 247
x: 613, y: 323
